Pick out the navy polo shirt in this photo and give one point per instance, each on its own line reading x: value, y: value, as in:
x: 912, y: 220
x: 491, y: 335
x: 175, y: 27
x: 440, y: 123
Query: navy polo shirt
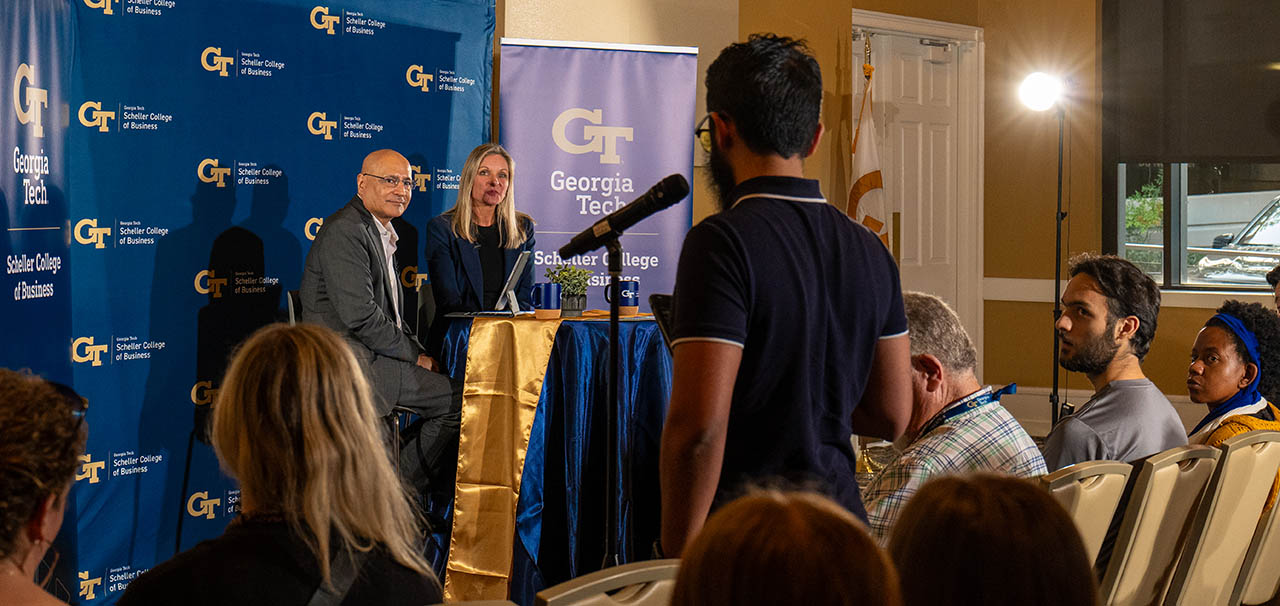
x: 807, y: 293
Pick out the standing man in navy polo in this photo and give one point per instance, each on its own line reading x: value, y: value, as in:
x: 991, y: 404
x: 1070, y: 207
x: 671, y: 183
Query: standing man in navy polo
x: 789, y: 329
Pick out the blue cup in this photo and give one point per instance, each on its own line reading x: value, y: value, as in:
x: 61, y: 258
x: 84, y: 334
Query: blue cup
x: 546, y: 300
x: 629, y: 302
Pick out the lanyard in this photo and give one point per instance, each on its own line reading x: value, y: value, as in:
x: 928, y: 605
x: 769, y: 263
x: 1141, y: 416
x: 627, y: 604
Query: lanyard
x: 973, y: 401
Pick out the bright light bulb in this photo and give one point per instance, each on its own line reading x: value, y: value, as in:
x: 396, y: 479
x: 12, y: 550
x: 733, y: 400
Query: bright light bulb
x: 1039, y: 91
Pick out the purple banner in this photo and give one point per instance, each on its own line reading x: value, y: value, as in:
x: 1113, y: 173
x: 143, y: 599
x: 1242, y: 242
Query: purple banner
x: 591, y: 129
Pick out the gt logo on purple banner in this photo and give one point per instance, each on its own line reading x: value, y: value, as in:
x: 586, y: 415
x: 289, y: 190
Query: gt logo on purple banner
x: 36, y: 98
x: 599, y: 139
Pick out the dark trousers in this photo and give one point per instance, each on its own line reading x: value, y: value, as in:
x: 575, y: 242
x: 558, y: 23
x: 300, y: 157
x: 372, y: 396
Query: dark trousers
x: 429, y: 444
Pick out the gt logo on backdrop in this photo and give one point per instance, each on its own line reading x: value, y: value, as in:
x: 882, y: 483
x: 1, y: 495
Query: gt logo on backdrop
x: 87, y: 232
x: 420, y: 178
x: 320, y: 19
x: 36, y: 99
x: 312, y: 227
x: 599, y: 139
x: 203, y: 393
x: 417, y: 79
x: 410, y: 277
x: 318, y: 124
x: 96, y: 117
x: 208, y: 172
x: 83, y: 350
x: 87, y: 585
x: 206, y: 282
x: 105, y: 5
x: 89, y: 469
x: 199, y: 504
x: 218, y: 63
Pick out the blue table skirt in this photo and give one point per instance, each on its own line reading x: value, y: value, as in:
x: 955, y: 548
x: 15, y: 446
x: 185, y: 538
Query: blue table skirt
x: 560, y: 515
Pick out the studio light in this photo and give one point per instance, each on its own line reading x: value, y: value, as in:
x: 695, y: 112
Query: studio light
x: 1040, y: 91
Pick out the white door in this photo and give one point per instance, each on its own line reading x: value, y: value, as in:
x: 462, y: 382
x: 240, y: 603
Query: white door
x: 926, y: 115
x: 915, y: 89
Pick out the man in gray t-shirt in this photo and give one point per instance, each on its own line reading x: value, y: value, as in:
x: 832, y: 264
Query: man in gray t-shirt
x: 1107, y: 324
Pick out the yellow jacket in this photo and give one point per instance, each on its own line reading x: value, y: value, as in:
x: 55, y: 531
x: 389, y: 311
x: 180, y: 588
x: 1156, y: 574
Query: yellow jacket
x: 1239, y: 424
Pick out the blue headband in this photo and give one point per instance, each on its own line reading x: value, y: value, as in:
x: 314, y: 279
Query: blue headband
x: 1246, y: 335
x: 1249, y: 395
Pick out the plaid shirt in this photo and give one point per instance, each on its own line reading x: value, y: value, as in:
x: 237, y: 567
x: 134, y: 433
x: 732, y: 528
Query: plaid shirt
x: 986, y: 438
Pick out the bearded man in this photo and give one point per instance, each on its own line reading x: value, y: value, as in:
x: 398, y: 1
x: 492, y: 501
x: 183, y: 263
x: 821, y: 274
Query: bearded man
x: 1108, y: 322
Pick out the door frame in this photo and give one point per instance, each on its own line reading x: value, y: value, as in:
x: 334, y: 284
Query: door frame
x: 970, y: 164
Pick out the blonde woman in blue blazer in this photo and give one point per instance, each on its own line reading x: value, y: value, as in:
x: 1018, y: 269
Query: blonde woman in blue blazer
x: 472, y: 247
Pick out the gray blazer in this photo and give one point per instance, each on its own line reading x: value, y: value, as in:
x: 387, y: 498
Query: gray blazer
x: 345, y: 287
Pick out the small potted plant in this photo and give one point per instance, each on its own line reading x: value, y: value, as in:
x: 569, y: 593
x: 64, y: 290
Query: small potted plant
x: 573, y: 288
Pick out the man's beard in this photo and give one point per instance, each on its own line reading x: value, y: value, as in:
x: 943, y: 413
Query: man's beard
x: 1093, y: 356
x: 722, y: 181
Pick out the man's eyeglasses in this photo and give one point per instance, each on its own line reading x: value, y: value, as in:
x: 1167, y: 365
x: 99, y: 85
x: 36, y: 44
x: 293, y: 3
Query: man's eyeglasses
x: 392, y: 181
x: 703, y: 133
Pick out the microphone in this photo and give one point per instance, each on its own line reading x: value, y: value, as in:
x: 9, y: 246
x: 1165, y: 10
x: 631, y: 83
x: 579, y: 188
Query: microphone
x: 667, y: 192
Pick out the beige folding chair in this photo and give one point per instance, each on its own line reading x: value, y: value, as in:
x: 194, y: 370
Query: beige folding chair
x: 1168, y: 486
x: 1089, y: 491
x: 636, y: 584
x: 1225, y: 521
x: 1259, y: 580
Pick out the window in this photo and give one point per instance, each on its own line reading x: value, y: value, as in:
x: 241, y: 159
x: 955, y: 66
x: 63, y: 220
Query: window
x: 1200, y: 225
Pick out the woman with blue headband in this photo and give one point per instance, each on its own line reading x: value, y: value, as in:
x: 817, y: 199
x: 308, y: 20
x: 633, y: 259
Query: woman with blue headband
x: 1235, y: 370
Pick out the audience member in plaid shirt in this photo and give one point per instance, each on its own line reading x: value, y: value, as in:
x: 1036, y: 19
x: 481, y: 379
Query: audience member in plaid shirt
x: 957, y: 426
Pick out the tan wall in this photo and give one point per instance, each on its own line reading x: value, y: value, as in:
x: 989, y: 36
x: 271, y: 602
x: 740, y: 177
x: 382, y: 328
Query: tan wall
x: 707, y: 24
x: 1020, y: 145
x: 826, y: 25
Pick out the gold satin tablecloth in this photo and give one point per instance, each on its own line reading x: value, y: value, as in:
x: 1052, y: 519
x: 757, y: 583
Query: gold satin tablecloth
x: 506, y: 363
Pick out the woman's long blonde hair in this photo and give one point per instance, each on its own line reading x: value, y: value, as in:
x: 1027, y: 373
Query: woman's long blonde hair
x: 294, y: 422
x: 509, y: 221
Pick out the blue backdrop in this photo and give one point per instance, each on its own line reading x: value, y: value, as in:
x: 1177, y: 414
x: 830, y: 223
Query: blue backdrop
x: 188, y: 153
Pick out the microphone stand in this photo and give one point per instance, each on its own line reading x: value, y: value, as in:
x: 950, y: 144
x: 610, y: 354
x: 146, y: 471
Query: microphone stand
x: 618, y: 466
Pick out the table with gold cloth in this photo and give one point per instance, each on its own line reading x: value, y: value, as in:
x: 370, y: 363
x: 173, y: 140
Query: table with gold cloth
x: 529, y: 504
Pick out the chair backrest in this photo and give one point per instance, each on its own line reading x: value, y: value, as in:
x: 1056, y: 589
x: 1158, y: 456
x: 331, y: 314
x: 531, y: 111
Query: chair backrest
x: 1089, y: 491
x: 426, y: 309
x: 1168, y: 486
x: 1259, y: 579
x: 646, y: 584
x: 1224, y: 523
x: 295, y: 307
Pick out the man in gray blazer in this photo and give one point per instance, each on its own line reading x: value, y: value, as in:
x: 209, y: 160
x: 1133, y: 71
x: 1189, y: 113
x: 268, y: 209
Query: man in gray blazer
x: 349, y: 285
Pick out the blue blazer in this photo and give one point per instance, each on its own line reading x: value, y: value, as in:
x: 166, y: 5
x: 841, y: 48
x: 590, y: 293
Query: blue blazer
x: 457, y: 281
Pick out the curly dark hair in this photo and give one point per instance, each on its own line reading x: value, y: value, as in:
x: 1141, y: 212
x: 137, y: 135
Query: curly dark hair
x: 38, y: 449
x: 1273, y: 276
x: 1265, y: 325
x: 1129, y: 292
x: 771, y: 87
